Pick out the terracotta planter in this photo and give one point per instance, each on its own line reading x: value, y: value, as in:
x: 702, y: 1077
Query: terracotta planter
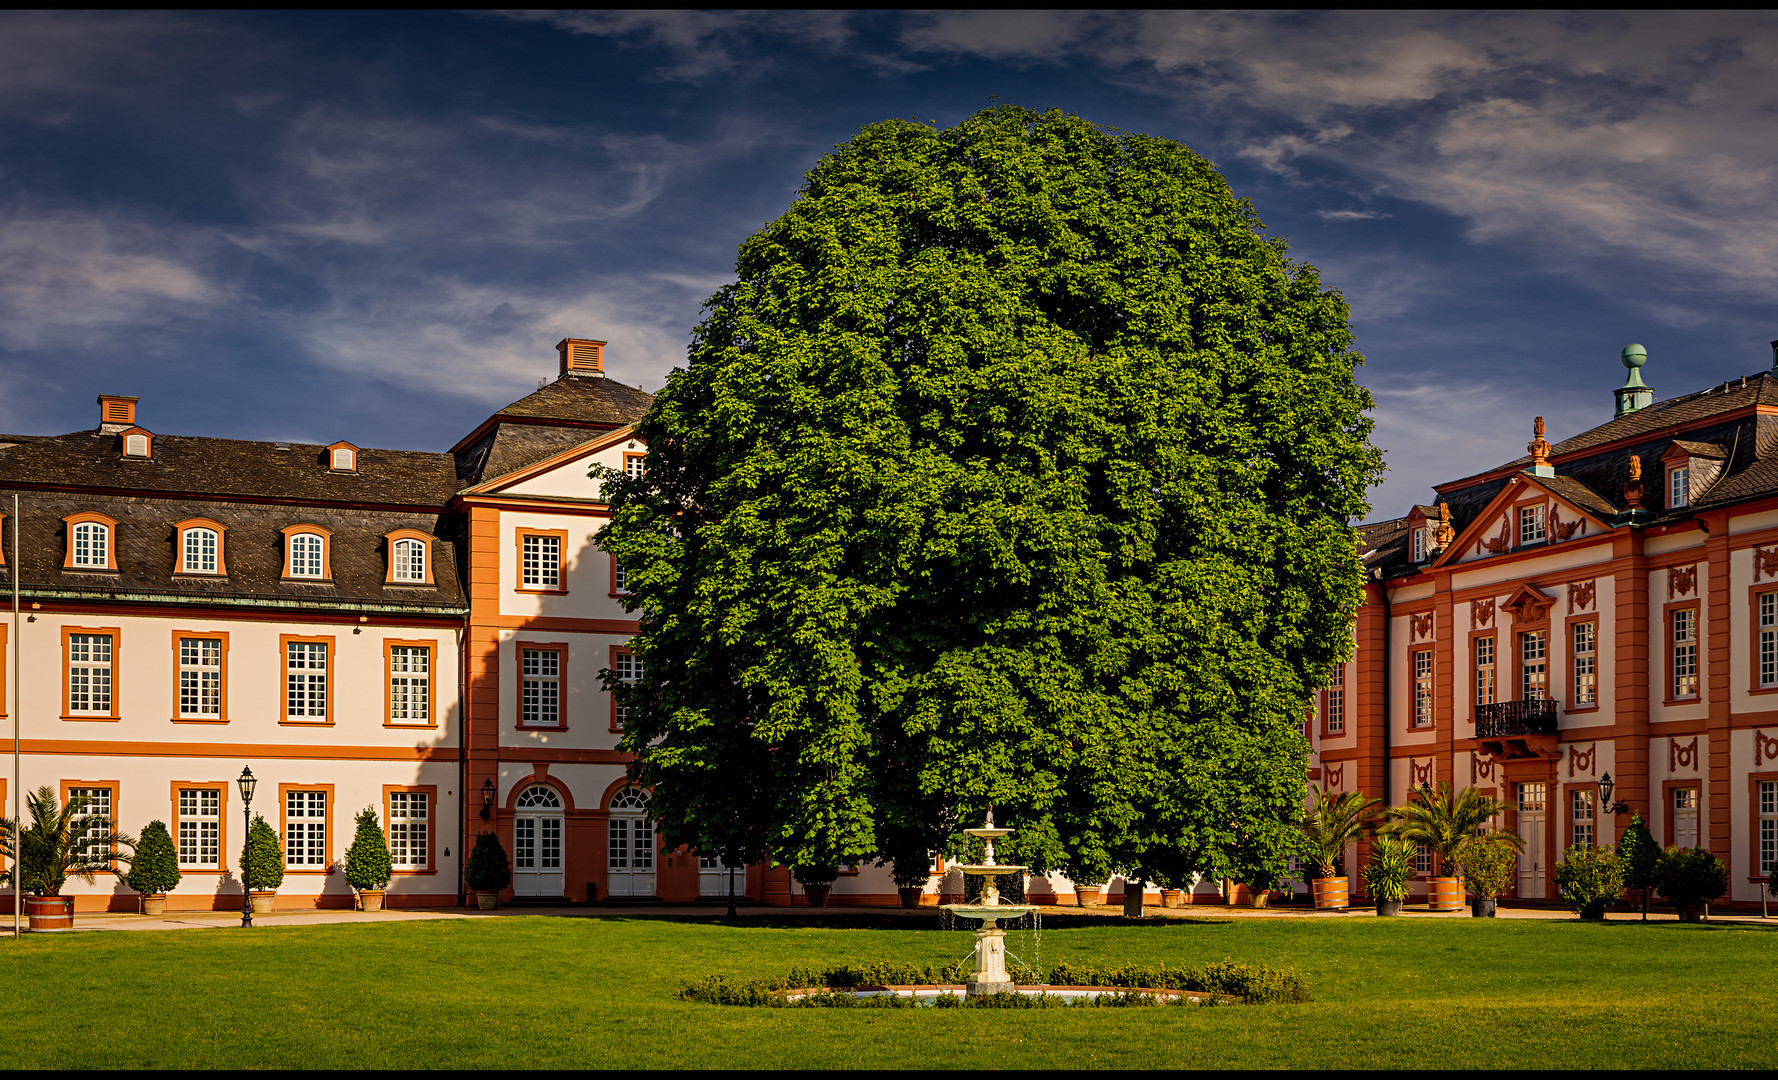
x: 1172, y: 898
x: 1086, y: 896
x: 1595, y: 911
x: 1331, y: 893
x: 1484, y: 909
x: 1259, y: 897
x: 264, y: 900
x: 50, y: 912
x: 1687, y: 913
x: 817, y: 894
x: 370, y: 900
x: 1387, y: 908
x: 485, y: 901
x: 1444, y: 894
x: 154, y: 905
x: 910, y: 895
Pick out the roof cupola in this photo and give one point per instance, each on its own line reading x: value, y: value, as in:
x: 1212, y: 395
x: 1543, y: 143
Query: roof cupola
x: 116, y: 412
x: 582, y: 356
x: 1634, y: 394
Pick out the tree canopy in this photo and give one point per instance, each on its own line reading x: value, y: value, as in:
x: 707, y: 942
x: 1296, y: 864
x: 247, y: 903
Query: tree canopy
x: 1016, y: 468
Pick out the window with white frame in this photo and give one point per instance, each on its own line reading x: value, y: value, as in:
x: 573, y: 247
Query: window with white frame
x: 92, y: 545
x: 1768, y: 639
x: 1531, y: 524
x: 200, y: 678
x: 410, y: 684
x: 620, y: 582
x: 343, y: 459
x: 200, y: 828
x: 1768, y: 825
x: 628, y: 668
x: 94, y: 818
x: 408, y: 822
x: 305, y: 829
x: 1586, y: 664
x: 1484, y: 670
x: 540, y: 687
x: 1422, y: 860
x: 634, y: 465
x: 1534, y: 671
x: 1419, y: 545
x: 135, y: 446
x: 1685, y: 652
x: 1678, y: 479
x: 89, y: 674
x: 305, y: 555
x: 1423, y: 688
x: 1336, y: 700
x: 542, y: 559
x: 410, y: 561
x: 1581, y: 806
x: 200, y: 551
x: 305, y: 679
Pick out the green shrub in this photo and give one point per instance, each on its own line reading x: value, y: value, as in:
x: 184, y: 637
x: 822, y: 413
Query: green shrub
x: 265, y: 855
x: 488, y: 869
x: 155, y: 869
x: 1690, y: 876
x: 1390, y: 868
x: 1489, y: 863
x: 367, y: 859
x: 1642, y: 858
x: 815, y: 875
x: 1590, y: 878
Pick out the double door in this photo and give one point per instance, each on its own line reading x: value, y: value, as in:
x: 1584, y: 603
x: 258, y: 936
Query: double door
x: 1534, y: 860
x: 629, y: 855
x: 713, y: 877
x: 537, y: 854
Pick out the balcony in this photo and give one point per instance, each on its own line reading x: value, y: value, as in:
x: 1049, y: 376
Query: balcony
x: 1518, y: 729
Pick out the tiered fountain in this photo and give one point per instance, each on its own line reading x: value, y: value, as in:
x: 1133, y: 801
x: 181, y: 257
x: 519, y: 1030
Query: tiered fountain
x: 990, y: 975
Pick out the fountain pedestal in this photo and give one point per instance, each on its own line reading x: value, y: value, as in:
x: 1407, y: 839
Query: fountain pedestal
x: 990, y: 976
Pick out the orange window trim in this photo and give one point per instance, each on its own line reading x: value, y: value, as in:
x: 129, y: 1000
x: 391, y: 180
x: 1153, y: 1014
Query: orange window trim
x: 615, y: 593
x: 431, y: 721
x: 284, y: 791
x: 221, y: 532
x: 222, y: 715
x: 561, y: 536
x: 617, y: 651
x: 5, y: 694
x: 222, y: 824
x: 1568, y: 655
x: 326, y: 536
x: 1470, y: 664
x: 1667, y: 644
x: 148, y: 438
x: 342, y: 446
x: 560, y: 648
x: 72, y: 520
x: 3, y: 544
x: 1753, y: 595
x: 389, y: 539
x: 628, y: 454
x: 1753, y: 783
x: 431, y: 793
x: 1667, y: 815
x: 116, y: 791
x: 284, y: 643
x: 116, y: 636
x: 5, y: 808
x: 1601, y: 821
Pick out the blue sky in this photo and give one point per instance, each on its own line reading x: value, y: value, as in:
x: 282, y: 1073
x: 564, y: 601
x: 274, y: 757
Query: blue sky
x: 375, y: 227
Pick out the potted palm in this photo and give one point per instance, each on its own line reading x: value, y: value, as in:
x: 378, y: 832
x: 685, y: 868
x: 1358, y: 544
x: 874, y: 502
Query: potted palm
x: 1590, y: 878
x: 1489, y: 863
x: 1440, y: 820
x: 1690, y: 878
x: 1387, y: 873
x: 155, y: 870
x: 63, y: 841
x: 1330, y: 824
x: 487, y: 872
x: 367, y: 861
x: 264, y: 861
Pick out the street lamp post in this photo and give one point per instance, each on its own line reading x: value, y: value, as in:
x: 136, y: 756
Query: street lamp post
x: 247, y: 784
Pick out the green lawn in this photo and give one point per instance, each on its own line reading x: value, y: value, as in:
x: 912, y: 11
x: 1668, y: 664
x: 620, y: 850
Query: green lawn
x: 598, y: 993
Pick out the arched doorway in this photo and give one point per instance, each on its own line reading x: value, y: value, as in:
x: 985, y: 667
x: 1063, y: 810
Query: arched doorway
x: 537, y: 842
x: 629, y: 865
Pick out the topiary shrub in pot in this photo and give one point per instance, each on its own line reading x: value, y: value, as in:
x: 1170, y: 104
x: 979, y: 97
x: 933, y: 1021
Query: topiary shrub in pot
x: 1689, y: 879
x: 1590, y: 878
x: 817, y: 882
x: 264, y: 861
x: 1388, y: 872
x: 911, y: 870
x: 1489, y: 864
x: 155, y: 871
x: 1642, y: 859
x: 367, y: 861
x: 488, y: 871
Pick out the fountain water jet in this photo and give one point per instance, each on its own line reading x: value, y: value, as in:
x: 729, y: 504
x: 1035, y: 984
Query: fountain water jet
x: 990, y: 975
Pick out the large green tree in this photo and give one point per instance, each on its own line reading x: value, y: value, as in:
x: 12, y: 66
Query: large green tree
x: 1017, y: 468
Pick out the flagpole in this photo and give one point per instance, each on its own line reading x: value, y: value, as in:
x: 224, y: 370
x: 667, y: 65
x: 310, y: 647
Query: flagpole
x: 18, y: 719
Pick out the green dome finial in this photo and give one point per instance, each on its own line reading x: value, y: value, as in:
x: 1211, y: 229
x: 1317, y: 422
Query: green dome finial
x: 1634, y: 356
x: 1634, y: 394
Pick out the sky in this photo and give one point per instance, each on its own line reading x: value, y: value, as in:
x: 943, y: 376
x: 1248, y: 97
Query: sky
x: 376, y: 227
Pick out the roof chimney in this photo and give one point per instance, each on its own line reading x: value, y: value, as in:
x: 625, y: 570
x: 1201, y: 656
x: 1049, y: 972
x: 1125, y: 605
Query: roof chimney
x: 1634, y: 394
x: 116, y: 412
x: 581, y: 356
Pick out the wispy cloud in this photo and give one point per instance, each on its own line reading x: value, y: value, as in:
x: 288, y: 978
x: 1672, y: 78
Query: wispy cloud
x: 1350, y: 215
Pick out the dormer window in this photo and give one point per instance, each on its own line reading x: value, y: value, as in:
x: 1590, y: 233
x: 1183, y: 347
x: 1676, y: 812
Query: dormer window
x: 1531, y: 527
x: 1678, y: 485
x: 342, y: 457
x: 410, y: 557
x: 200, y: 547
x: 138, y: 442
x: 1419, y: 545
x: 306, y: 555
x: 1691, y: 468
x: 90, y: 543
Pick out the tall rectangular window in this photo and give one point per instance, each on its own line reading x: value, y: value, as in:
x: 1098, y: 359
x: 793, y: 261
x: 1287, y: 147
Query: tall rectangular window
x: 635, y: 465
x: 628, y: 668
x: 1530, y: 524
x: 200, y: 551
x: 305, y: 555
x: 92, y: 545
x: 1423, y: 688
x: 1586, y: 664
x: 200, y: 678
x: 1484, y: 670
x: 93, y: 817
x: 409, y: 821
x: 1768, y: 639
x: 620, y: 582
x: 200, y: 828
x: 305, y: 680
x: 1419, y: 545
x: 1422, y: 860
x: 1581, y: 806
x: 1685, y: 652
x: 1534, y: 672
x: 1336, y: 700
x: 89, y: 674
x: 541, y: 557
x: 410, y: 684
x: 1678, y: 480
x: 540, y: 687
x: 305, y: 829
x: 1768, y: 825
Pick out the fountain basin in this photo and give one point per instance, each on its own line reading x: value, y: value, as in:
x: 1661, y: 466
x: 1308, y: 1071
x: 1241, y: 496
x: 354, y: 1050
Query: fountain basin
x: 986, y: 911
x: 988, y: 869
x: 1067, y: 995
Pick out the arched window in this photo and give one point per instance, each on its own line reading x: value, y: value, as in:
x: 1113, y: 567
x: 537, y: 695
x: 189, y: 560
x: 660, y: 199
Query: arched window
x: 630, y: 798
x: 305, y: 555
x: 409, y: 561
x: 342, y: 457
x: 200, y: 551
x: 92, y: 545
x: 539, y: 795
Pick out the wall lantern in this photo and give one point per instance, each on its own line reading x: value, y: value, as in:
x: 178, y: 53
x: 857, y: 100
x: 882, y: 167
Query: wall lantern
x: 1606, y: 787
x: 487, y: 798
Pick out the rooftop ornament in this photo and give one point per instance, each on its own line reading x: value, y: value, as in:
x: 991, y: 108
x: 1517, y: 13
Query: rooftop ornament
x: 1635, y: 394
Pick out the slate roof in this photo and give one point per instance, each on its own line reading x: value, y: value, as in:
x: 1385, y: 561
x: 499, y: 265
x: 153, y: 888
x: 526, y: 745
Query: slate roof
x: 561, y: 415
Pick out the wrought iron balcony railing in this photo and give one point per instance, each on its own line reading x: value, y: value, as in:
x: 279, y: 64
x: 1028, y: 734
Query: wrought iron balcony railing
x: 1506, y: 719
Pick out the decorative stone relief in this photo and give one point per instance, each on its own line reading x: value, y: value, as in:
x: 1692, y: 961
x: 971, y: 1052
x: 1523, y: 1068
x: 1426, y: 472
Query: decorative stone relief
x: 1682, y: 755
x: 1765, y: 563
x: 1580, y: 596
x: 1765, y: 747
x: 1480, y: 768
x: 1581, y: 761
x: 1420, y: 774
x: 1335, y: 775
x: 1559, y: 529
x: 1481, y: 613
x: 1422, y: 626
x: 1498, y: 545
x: 1682, y: 580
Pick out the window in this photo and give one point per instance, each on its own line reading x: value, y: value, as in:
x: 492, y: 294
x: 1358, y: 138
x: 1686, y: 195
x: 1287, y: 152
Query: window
x: 91, y: 658
x: 1685, y: 652
x: 342, y: 457
x: 1534, y: 675
x: 409, y: 561
x: 1531, y: 524
x: 94, y: 817
x: 410, y: 682
x: 540, y: 687
x: 1423, y: 688
x: 1581, y: 804
x: 200, y: 677
x: 627, y: 667
x: 1677, y: 479
x: 620, y: 582
x: 1484, y: 670
x: 1336, y: 700
x: 135, y: 444
x: 1422, y: 860
x: 201, y: 548
x: 200, y: 828
x: 305, y: 552
x: 305, y: 680
x: 1585, y: 690
x: 540, y: 560
x: 89, y: 546
x: 635, y: 465
x: 1419, y: 545
x: 1768, y: 825
x: 410, y: 830
x: 305, y: 830
x: 1768, y: 639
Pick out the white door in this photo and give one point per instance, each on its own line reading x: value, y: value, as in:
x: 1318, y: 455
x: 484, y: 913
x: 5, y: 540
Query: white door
x: 537, y: 842
x: 629, y: 848
x: 1533, y: 863
x: 713, y: 877
x: 1685, y: 816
